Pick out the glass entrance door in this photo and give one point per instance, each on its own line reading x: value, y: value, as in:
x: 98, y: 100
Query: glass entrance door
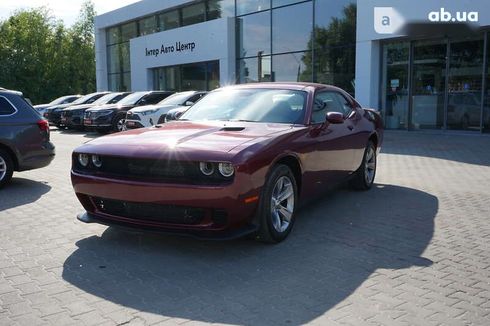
x: 465, y: 85
x: 428, y: 84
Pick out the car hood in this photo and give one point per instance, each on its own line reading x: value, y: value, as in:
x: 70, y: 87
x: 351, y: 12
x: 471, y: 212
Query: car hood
x: 112, y: 107
x: 190, y: 140
x: 79, y: 107
x: 58, y: 107
x: 41, y: 106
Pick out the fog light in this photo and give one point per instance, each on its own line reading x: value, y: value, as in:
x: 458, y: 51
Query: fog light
x: 83, y: 159
x: 207, y: 168
x: 97, y: 161
x: 226, y: 169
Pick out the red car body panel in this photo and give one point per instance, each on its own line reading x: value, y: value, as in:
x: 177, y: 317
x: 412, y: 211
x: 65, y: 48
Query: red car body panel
x: 324, y: 155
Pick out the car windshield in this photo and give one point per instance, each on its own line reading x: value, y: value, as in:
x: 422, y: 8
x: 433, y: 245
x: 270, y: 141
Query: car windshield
x: 255, y: 105
x: 132, y: 98
x: 59, y: 100
x: 176, y: 99
x: 83, y: 99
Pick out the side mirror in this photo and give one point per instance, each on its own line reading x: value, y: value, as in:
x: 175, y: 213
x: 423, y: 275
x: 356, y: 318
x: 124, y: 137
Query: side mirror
x: 189, y: 103
x: 335, y: 117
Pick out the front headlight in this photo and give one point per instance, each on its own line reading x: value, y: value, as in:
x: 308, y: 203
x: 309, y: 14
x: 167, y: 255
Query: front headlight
x: 97, y: 161
x: 226, y: 169
x: 83, y: 159
x: 207, y: 168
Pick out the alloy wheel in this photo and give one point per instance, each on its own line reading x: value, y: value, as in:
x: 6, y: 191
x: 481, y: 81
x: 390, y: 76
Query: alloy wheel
x: 370, y: 165
x: 282, y: 204
x: 120, y: 125
x: 3, y: 168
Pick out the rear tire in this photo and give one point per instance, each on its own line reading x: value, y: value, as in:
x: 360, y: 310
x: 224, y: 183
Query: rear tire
x: 364, y: 176
x: 277, y: 207
x: 6, y: 168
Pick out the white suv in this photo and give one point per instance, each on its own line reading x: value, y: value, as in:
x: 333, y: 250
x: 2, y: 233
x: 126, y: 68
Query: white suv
x: 149, y: 115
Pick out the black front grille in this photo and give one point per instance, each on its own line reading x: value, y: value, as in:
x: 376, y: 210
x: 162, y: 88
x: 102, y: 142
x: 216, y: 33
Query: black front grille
x: 131, y: 116
x: 67, y: 114
x: 152, y: 170
x: 150, y: 212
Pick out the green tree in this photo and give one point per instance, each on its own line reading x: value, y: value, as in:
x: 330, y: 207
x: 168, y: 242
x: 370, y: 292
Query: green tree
x: 44, y: 59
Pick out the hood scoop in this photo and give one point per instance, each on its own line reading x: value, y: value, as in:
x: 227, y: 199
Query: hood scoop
x: 232, y: 129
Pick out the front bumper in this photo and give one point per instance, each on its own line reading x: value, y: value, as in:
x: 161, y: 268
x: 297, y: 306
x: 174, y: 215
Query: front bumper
x: 104, y: 121
x: 53, y: 117
x: 133, y: 124
x: 72, y: 121
x: 224, y: 211
x: 202, y: 235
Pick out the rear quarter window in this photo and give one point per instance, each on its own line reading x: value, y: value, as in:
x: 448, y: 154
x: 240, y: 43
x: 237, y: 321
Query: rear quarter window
x: 5, y: 107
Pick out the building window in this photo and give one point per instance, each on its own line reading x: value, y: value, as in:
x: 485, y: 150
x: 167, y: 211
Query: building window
x: 148, y: 25
x: 220, y: 9
x: 248, y: 6
x: 292, y: 28
x: 169, y: 20
x: 254, y: 35
x: 291, y: 67
x: 193, y: 14
x: 280, y: 3
x: 128, y: 31
x: 253, y: 70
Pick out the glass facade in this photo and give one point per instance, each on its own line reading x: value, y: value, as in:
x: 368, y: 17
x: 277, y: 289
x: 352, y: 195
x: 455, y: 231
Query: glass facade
x: 118, y: 53
x: 195, y: 76
x: 436, y: 84
x: 277, y: 40
x: 292, y: 40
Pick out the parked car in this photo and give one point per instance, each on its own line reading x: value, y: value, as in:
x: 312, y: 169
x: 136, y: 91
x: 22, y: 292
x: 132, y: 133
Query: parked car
x: 149, y: 115
x: 464, y: 110
x: 111, y: 117
x: 60, y: 100
x: 72, y: 116
x: 24, y: 136
x: 237, y: 162
x: 53, y: 113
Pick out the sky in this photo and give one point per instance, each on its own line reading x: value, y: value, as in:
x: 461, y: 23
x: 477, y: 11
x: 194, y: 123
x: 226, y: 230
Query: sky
x: 67, y: 10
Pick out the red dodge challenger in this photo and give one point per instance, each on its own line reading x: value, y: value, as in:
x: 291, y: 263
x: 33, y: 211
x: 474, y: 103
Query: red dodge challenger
x: 237, y: 162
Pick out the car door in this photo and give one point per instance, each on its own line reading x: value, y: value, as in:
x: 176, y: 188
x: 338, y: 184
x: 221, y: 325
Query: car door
x: 330, y: 154
x: 358, y: 136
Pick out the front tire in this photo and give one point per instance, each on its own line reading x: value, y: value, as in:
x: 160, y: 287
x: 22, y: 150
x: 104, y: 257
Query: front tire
x: 364, y: 176
x: 277, y: 206
x: 118, y: 123
x: 6, y: 168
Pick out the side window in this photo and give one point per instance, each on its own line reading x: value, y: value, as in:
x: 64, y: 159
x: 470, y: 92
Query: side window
x: 325, y: 102
x: 344, y: 103
x: 5, y: 107
x: 195, y: 98
x: 153, y: 98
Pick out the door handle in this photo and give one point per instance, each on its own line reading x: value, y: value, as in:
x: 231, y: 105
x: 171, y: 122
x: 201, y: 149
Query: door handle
x: 350, y: 127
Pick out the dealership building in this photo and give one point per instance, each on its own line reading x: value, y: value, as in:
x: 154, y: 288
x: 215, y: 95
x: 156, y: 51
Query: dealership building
x: 423, y: 64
